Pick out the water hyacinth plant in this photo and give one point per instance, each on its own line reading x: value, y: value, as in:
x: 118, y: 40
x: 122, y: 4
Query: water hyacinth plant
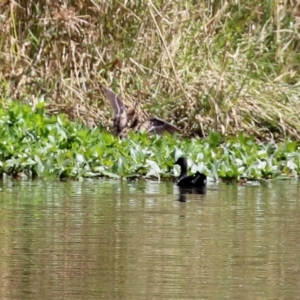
x: 37, y: 144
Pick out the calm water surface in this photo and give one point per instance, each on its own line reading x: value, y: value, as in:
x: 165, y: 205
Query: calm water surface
x: 118, y: 240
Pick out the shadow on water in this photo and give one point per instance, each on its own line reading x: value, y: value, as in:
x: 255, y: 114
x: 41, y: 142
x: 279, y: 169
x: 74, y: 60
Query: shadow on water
x: 105, y: 239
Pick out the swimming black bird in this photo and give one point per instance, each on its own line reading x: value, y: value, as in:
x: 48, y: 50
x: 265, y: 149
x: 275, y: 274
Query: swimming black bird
x: 198, y: 180
x: 122, y: 117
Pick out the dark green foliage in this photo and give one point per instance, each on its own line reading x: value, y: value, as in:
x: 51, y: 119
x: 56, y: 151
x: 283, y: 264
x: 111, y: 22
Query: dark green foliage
x: 38, y: 145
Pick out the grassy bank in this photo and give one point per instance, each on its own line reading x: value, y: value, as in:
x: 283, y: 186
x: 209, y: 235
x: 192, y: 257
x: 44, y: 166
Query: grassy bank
x: 35, y: 144
x: 218, y: 66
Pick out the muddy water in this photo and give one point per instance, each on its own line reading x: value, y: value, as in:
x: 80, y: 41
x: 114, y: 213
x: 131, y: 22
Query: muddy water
x: 118, y: 240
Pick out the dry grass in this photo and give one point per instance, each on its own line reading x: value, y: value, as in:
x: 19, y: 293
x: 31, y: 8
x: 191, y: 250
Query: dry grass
x: 208, y: 66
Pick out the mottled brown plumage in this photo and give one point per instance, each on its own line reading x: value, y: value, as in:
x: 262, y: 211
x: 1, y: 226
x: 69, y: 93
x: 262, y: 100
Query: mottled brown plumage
x: 159, y: 126
x: 152, y: 125
x: 120, y: 113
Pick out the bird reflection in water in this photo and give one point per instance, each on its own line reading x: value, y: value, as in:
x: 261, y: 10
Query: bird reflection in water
x: 183, y: 192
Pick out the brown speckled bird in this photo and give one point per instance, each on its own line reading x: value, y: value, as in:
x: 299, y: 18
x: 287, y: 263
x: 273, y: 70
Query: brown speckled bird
x: 152, y: 125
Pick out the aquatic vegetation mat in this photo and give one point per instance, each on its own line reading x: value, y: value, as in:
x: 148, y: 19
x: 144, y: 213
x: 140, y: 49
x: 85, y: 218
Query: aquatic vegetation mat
x: 37, y: 144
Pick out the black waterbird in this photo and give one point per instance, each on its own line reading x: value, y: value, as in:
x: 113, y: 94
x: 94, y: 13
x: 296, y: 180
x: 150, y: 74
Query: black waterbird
x: 198, y: 180
x: 122, y: 117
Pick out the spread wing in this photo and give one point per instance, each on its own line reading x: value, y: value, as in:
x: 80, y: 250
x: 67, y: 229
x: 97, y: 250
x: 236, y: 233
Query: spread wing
x: 120, y: 114
x: 158, y: 126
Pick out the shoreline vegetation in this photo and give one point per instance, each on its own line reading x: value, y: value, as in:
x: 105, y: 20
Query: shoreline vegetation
x: 38, y: 145
x: 226, y: 74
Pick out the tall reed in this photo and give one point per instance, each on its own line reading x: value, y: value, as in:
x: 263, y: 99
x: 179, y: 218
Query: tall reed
x: 210, y: 65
